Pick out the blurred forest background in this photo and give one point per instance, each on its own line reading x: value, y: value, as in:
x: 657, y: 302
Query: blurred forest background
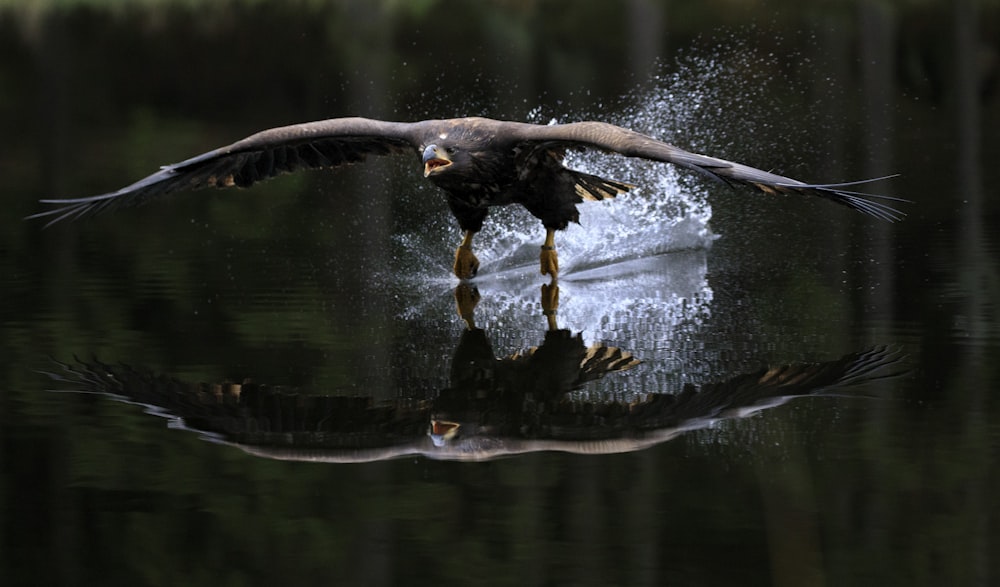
x: 94, y: 95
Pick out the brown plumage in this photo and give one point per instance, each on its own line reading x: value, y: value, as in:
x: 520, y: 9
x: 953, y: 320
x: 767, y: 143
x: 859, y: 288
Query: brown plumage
x: 478, y: 162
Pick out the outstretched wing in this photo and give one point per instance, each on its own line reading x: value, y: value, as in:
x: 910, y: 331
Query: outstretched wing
x: 748, y: 393
x: 326, y: 143
x: 609, y: 137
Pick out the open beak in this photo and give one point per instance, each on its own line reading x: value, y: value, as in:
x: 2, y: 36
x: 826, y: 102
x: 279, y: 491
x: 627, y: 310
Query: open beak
x: 435, y: 159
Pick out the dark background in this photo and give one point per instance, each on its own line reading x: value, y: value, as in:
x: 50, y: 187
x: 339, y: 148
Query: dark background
x: 291, y: 283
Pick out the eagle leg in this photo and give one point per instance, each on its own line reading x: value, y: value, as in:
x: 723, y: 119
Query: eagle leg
x: 549, y: 259
x: 466, y: 263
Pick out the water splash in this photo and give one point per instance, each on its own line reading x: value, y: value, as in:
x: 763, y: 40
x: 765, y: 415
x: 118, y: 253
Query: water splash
x: 654, y: 307
x: 666, y: 212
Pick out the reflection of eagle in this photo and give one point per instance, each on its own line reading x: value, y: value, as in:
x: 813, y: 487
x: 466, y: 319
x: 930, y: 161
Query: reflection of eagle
x: 494, y: 407
x: 505, y: 395
x: 478, y: 162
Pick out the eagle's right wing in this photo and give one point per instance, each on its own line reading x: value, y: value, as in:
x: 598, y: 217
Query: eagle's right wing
x: 326, y: 143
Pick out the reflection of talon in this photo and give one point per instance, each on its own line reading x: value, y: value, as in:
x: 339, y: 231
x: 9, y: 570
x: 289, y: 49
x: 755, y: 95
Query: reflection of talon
x: 466, y: 298
x: 550, y: 297
x: 466, y: 263
x: 550, y: 303
x: 549, y: 259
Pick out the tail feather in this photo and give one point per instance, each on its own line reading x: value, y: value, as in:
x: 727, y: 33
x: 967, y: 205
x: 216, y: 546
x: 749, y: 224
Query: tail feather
x: 596, y: 361
x: 594, y: 188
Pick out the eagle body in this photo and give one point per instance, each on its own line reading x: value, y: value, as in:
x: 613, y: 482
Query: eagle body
x: 488, y: 169
x: 477, y: 162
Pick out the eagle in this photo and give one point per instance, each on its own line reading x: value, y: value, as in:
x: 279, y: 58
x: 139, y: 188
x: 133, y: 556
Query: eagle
x: 478, y: 163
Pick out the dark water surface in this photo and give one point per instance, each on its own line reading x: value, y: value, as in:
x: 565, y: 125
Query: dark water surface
x: 314, y: 317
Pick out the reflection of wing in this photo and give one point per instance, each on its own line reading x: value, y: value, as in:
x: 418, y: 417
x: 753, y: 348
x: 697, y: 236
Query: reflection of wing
x: 326, y: 143
x: 252, y: 414
x: 751, y: 392
x: 276, y: 424
x: 608, y: 137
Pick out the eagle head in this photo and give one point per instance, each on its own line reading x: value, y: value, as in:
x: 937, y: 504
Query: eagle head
x: 438, y: 159
x: 467, y: 165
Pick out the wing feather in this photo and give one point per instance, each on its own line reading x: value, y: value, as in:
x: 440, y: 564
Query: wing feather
x: 608, y: 137
x: 326, y: 143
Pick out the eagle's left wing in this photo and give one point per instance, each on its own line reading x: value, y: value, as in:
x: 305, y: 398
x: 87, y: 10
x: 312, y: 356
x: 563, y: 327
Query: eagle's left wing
x: 608, y: 137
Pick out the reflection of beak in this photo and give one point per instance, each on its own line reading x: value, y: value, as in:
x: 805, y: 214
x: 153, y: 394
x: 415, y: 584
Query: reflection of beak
x: 442, y: 431
x: 434, y: 160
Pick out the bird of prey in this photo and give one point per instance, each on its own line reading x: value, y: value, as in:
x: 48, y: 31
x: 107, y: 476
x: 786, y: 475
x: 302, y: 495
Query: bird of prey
x: 477, y: 162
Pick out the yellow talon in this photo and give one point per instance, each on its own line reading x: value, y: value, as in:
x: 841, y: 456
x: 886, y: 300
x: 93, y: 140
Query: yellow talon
x: 466, y: 264
x: 548, y: 258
